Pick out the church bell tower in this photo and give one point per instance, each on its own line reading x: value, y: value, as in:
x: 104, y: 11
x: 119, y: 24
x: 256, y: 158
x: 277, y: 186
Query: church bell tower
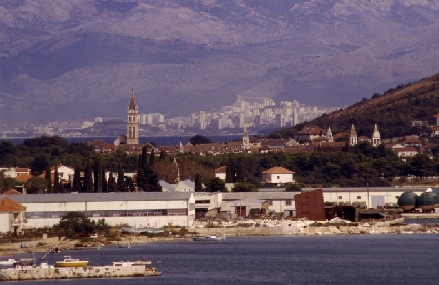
x: 133, y: 122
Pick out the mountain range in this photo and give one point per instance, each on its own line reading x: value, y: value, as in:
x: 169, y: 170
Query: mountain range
x: 79, y: 59
x: 406, y: 109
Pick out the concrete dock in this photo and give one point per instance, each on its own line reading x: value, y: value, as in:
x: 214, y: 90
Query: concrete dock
x: 46, y: 272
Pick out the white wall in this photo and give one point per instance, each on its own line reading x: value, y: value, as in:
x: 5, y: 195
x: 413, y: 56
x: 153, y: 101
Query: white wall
x: 366, y: 196
x: 277, y: 178
x: 4, y: 223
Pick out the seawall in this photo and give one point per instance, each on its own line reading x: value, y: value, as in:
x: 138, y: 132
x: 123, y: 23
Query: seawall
x: 39, y: 273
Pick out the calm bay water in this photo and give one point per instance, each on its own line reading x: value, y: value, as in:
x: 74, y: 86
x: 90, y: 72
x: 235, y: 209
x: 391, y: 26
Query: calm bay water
x: 359, y: 259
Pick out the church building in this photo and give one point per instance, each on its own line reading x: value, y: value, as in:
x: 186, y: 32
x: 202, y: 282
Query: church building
x: 131, y: 138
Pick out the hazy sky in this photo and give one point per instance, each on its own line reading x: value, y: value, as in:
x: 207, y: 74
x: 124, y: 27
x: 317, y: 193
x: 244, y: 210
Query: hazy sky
x: 79, y: 59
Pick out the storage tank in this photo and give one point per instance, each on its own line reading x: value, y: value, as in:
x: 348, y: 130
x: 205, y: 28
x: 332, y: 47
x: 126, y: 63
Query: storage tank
x: 407, y: 201
x: 427, y: 201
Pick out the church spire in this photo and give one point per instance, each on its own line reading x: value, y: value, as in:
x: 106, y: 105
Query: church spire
x: 132, y: 105
x: 329, y: 137
x: 376, y: 137
x: 132, y: 122
x: 353, y: 138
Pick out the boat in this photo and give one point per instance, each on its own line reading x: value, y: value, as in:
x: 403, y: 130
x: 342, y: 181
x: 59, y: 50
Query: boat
x: 71, y: 262
x: 208, y: 238
x: 148, y: 230
x: 8, y: 262
x: 131, y: 263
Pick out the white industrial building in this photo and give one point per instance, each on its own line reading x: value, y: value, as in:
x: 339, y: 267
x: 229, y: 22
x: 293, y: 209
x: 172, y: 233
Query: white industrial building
x: 158, y: 209
x: 372, y: 197
x: 133, y: 209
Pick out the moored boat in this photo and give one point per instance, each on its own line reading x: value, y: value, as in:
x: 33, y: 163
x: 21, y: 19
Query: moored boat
x: 131, y: 263
x: 148, y: 230
x: 71, y: 262
x: 207, y: 238
x: 8, y: 262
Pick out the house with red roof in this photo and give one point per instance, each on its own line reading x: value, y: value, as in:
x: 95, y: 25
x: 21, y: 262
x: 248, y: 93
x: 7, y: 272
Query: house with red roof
x: 278, y: 175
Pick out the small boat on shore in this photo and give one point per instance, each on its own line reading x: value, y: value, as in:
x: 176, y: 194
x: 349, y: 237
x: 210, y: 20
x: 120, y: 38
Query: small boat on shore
x: 208, y: 238
x: 9, y: 262
x: 148, y: 230
x: 71, y: 262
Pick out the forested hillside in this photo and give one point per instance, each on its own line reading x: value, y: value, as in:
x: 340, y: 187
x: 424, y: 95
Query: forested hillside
x: 392, y: 111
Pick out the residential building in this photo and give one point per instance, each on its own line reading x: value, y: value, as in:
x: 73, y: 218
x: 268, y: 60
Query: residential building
x: 277, y: 175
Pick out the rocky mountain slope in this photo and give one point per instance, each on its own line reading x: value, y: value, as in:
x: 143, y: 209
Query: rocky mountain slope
x: 79, y: 59
x: 393, y: 111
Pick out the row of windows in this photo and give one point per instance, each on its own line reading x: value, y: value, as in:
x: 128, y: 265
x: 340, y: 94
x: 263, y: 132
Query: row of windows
x: 287, y: 202
x: 116, y: 213
x: 358, y: 197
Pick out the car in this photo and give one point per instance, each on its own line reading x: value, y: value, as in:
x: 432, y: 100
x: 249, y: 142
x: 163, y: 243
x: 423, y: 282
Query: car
x: 93, y: 235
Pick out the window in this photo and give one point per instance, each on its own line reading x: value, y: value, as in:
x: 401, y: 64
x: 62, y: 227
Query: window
x: 340, y: 197
x: 278, y: 177
x: 358, y: 197
x: 288, y: 202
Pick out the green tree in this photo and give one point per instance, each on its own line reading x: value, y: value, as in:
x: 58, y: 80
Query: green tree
x: 198, y: 186
x: 151, y: 159
x: 77, y: 180
x: 199, y: 139
x: 36, y: 185
x: 120, y: 179
x: 6, y: 183
x: 56, y: 182
x: 104, y: 184
x: 112, y: 185
x: 40, y: 163
x: 97, y: 187
x: 293, y: 187
x: 48, y: 177
x: 244, y: 187
x: 215, y: 185
x: 74, y: 223
x: 88, y: 178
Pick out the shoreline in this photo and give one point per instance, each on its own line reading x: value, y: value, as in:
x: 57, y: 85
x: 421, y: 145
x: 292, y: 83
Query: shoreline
x: 268, y: 228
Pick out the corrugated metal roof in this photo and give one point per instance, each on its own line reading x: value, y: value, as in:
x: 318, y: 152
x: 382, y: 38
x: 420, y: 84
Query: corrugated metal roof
x: 101, y: 197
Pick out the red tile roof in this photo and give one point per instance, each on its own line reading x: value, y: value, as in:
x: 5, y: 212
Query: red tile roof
x: 277, y: 170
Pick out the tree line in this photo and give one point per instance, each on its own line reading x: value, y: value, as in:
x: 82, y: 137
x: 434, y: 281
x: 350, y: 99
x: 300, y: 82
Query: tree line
x: 353, y: 166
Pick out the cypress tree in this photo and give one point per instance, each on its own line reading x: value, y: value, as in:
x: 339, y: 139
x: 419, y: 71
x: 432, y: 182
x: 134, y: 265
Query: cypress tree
x: 112, y: 186
x: 140, y: 174
x: 151, y: 158
x: 120, y: 179
x: 162, y: 155
x: 103, y: 185
x: 96, y: 176
x: 77, y: 180
x: 56, y: 184
x: 88, y: 179
x: 48, y: 177
x: 198, y: 186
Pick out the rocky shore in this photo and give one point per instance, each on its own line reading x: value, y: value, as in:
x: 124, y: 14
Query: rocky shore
x: 236, y: 228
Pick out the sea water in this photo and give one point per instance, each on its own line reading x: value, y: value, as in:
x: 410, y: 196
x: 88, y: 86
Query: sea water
x: 348, y: 259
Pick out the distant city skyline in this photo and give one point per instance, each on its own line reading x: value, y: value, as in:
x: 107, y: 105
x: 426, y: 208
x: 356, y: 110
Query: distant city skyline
x: 263, y: 113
